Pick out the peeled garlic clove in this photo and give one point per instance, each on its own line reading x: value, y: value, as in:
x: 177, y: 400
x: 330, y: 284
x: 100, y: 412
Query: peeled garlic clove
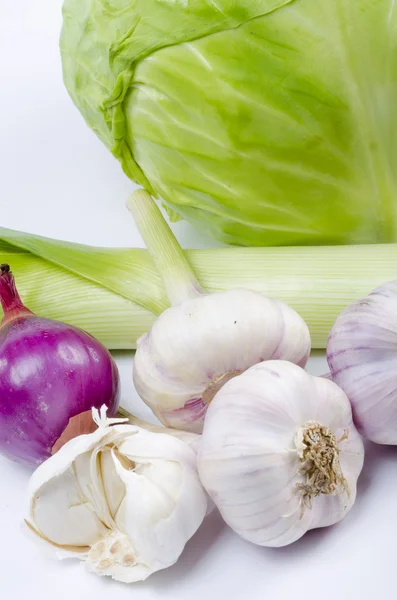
x: 69, y: 470
x: 279, y: 453
x: 195, y: 347
x: 122, y: 499
x: 362, y: 357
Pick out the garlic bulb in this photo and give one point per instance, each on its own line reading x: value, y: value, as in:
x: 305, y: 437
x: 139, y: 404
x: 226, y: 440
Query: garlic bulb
x: 362, y: 357
x: 122, y: 499
x: 203, y: 340
x: 279, y: 453
x: 194, y: 348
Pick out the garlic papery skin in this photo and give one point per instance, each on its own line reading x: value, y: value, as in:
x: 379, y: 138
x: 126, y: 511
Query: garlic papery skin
x: 203, y: 340
x: 362, y: 357
x: 122, y: 499
x: 279, y: 453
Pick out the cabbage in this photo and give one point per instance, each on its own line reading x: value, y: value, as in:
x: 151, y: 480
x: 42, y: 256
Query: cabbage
x: 266, y: 122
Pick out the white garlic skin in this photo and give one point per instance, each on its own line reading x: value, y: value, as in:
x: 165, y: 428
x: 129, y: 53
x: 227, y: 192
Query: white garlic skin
x: 123, y: 500
x: 249, y: 457
x: 194, y: 343
x: 362, y: 357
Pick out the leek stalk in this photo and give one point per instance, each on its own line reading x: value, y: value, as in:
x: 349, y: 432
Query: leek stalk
x: 116, y: 293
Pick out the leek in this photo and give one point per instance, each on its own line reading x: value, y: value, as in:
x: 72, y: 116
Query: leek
x: 116, y: 293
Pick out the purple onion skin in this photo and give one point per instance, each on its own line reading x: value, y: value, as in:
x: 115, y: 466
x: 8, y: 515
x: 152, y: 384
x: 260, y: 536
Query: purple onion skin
x: 49, y: 372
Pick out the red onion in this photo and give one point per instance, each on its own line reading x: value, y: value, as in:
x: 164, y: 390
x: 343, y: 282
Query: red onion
x: 50, y: 372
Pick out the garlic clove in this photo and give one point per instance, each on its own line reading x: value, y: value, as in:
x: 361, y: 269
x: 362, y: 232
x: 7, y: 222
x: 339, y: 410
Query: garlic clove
x: 113, y: 486
x: 162, y: 501
x: 256, y: 460
x: 80, y: 525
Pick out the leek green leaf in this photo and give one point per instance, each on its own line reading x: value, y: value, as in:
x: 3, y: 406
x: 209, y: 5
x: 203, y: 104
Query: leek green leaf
x: 76, y: 284
x: 116, y: 293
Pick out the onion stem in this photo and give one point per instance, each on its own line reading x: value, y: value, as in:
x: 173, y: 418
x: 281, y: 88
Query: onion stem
x: 175, y: 271
x: 9, y: 298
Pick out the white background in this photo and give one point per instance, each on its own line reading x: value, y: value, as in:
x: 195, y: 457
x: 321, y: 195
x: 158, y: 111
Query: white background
x: 58, y: 180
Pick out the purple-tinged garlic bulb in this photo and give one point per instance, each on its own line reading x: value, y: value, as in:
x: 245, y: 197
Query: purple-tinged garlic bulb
x: 362, y: 357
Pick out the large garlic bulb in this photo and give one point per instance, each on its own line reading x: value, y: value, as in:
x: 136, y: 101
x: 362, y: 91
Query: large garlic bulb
x: 279, y: 453
x: 362, y: 357
x: 195, y: 347
x: 122, y: 499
